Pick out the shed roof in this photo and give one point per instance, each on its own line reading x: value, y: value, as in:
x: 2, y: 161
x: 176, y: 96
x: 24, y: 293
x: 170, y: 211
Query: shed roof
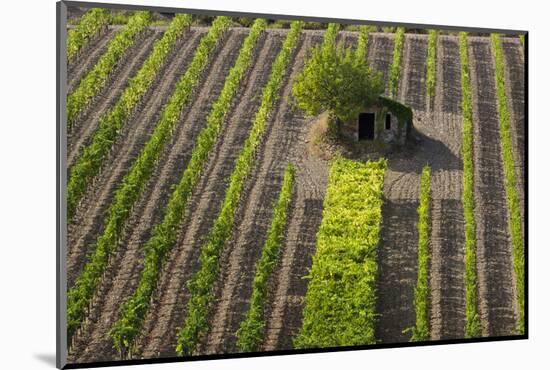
x: 403, y: 112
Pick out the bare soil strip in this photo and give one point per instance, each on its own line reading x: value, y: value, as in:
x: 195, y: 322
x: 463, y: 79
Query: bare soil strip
x: 130, y: 64
x: 396, y: 268
x: 74, y: 12
x: 416, y: 52
x: 439, y: 136
x: 87, y: 57
x: 346, y: 39
x: 498, y: 311
x: 447, y: 234
x: 397, y: 257
x: 447, y: 270
x: 515, y: 86
x: 380, y: 54
x: 89, y: 216
x: 288, y: 286
x: 253, y: 218
x: 350, y: 40
x: 122, y: 276
x: 284, y: 313
x: 340, y: 38
x: 168, y: 307
x: 449, y: 60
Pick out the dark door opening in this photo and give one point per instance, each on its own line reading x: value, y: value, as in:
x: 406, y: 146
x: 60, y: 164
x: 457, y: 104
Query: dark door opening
x: 388, y: 121
x: 366, y: 126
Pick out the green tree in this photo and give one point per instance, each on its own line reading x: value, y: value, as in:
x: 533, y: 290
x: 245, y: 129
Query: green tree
x: 334, y: 79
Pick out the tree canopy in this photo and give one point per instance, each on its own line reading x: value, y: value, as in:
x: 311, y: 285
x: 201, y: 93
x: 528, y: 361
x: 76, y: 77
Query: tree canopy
x: 335, y: 79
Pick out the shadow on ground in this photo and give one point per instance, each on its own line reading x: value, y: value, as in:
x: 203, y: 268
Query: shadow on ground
x: 46, y: 358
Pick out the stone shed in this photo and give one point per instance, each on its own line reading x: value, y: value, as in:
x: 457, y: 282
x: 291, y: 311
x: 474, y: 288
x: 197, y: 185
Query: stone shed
x: 385, y: 121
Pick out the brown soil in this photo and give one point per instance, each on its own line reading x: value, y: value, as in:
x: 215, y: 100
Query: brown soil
x: 397, y: 256
x: 351, y: 39
x: 448, y: 57
x: 438, y: 138
x: 253, y: 218
x: 122, y: 275
x: 89, y: 217
x: 447, y: 230
x: 87, y: 57
x: 515, y: 86
x: 74, y: 12
x: 415, y: 50
x: 106, y: 98
x: 496, y: 285
x: 288, y: 286
x: 380, y: 54
x: 168, y: 308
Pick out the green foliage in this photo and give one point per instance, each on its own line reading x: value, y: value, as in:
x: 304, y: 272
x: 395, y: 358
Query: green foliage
x: 389, y: 29
x: 340, y: 301
x: 333, y: 131
x: 282, y: 24
x: 80, y: 295
x: 95, y: 79
x: 473, y: 326
x: 202, y: 20
x: 361, y: 50
x: 160, y: 22
x: 522, y: 40
x: 421, y: 331
x: 279, y: 24
x: 403, y: 113
x: 201, y: 284
x: 251, y: 329
x: 395, y: 69
x: 514, y: 206
x: 431, y: 63
x: 133, y: 311
x: 119, y: 17
x: 87, y: 28
x: 334, y: 79
x: 244, y: 21
x: 329, y: 38
x: 314, y: 25
x: 352, y: 28
x: 110, y: 124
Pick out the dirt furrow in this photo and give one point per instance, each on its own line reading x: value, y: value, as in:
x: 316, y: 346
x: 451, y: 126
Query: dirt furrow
x: 497, y: 303
x: 515, y: 86
x: 447, y: 270
x: 168, y: 305
x: 73, y: 13
x: 288, y: 287
x: 416, y: 51
x: 340, y: 37
x: 87, y: 57
x: 253, y: 218
x: 380, y: 54
x: 448, y: 60
x: 89, y: 216
x: 396, y: 267
x: 130, y: 63
x: 447, y: 299
x: 122, y: 276
x: 351, y: 39
x: 397, y: 250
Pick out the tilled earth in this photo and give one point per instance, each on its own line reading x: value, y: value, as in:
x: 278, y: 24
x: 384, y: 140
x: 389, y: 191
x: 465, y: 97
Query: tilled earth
x: 438, y: 138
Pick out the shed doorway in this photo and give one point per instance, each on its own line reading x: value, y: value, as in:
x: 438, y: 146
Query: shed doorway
x: 366, y: 126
